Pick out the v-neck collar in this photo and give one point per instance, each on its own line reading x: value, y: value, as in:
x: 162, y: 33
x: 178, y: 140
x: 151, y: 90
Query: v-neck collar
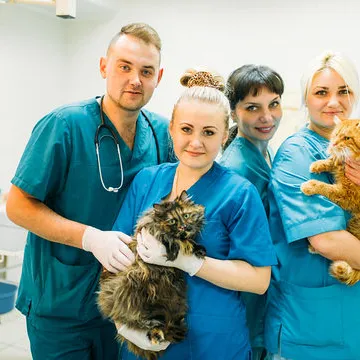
x: 198, y: 189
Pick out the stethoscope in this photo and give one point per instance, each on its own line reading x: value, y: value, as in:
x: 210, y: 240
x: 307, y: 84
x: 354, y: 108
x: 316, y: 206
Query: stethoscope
x: 114, y: 138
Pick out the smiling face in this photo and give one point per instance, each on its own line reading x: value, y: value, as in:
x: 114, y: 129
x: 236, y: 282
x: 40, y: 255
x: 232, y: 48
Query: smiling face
x: 328, y: 96
x: 258, y: 117
x: 132, y: 72
x: 198, y: 131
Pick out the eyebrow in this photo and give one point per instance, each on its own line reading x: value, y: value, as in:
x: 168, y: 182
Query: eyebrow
x: 326, y: 88
x: 130, y: 63
x: 255, y: 103
x: 205, y: 127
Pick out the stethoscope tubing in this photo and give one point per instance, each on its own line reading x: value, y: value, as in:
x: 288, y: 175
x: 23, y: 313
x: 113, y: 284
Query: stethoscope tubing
x: 101, y: 126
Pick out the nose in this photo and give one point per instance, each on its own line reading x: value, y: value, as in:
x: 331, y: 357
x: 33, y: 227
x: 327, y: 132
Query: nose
x: 195, y: 141
x: 135, y: 79
x: 333, y: 101
x: 266, y: 116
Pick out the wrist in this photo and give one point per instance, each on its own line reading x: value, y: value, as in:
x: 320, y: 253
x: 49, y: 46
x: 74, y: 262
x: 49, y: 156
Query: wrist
x: 89, y: 235
x: 192, y: 264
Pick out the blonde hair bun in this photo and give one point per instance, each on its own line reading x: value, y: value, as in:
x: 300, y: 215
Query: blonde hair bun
x: 193, y: 77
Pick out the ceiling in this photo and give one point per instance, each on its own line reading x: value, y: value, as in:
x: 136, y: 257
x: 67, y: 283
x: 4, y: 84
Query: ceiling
x: 85, y: 9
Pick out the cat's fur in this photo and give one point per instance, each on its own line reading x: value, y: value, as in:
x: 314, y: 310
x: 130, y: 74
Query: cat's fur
x: 151, y: 297
x: 344, y: 143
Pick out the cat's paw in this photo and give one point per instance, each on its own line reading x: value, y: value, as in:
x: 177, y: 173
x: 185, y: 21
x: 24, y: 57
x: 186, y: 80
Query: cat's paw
x: 342, y: 271
x: 199, y: 251
x: 312, y: 249
x: 316, y: 167
x: 309, y: 187
x: 156, y: 336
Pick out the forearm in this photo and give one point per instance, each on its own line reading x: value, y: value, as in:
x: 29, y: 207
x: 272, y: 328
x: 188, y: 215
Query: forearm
x: 338, y: 245
x: 33, y: 215
x: 235, y: 275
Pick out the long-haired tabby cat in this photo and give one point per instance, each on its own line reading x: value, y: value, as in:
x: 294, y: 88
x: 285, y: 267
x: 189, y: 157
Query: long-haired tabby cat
x: 344, y: 143
x: 151, y: 297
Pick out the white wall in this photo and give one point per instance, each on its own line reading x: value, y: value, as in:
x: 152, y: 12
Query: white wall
x: 32, y: 65
x: 223, y: 35
x: 46, y: 61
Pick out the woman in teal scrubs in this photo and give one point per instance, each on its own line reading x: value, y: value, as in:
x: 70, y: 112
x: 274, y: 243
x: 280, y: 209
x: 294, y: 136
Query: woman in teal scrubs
x: 311, y: 315
x: 239, y: 249
x: 254, y: 93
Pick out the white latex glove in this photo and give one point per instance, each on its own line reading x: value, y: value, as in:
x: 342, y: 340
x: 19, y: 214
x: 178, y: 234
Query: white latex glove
x: 140, y: 339
x: 153, y: 252
x: 109, y: 247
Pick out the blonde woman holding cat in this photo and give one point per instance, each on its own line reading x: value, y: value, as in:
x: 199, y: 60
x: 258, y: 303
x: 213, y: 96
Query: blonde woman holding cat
x: 236, y: 236
x: 311, y: 315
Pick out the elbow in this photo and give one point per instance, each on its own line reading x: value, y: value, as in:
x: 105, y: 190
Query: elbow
x: 14, y: 207
x: 10, y: 210
x: 263, y: 280
x: 322, y: 244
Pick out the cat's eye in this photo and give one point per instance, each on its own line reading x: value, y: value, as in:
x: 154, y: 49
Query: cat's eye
x: 347, y: 137
x: 186, y: 216
x: 171, y: 221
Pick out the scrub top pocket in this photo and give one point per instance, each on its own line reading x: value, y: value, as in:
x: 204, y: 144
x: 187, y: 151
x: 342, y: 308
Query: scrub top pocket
x: 69, y: 291
x: 312, y: 316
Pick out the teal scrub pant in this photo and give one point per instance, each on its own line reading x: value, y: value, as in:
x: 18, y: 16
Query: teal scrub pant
x: 90, y: 344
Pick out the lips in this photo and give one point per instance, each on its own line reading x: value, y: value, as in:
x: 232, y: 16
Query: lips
x: 333, y: 113
x: 133, y: 92
x: 194, y: 154
x: 264, y: 129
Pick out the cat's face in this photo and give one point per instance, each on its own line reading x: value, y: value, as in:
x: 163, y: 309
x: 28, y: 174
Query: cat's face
x: 345, y: 139
x: 181, y: 217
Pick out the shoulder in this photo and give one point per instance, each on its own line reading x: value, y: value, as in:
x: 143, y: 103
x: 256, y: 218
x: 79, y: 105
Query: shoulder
x: 303, y: 145
x: 230, y: 181
x: 157, y: 120
x: 70, y: 114
x: 240, y: 156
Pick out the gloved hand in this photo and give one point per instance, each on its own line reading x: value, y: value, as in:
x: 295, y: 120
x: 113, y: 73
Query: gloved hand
x: 140, y: 339
x: 153, y: 252
x: 109, y: 247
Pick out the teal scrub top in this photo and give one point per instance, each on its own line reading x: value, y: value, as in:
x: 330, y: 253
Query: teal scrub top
x: 243, y: 157
x: 59, y: 167
x: 310, y: 315
x: 236, y: 228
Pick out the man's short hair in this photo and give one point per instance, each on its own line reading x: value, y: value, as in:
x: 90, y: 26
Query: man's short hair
x: 141, y: 31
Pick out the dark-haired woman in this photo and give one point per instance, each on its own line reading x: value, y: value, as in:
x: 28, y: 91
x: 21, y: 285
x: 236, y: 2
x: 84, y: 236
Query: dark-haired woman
x: 254, y: 93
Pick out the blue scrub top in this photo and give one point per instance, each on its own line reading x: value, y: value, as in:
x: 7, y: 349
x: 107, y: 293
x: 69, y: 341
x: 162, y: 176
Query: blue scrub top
x: 59, y: 167
x: 236, y: 228
x: 243, y: 157
x: 311, y: 316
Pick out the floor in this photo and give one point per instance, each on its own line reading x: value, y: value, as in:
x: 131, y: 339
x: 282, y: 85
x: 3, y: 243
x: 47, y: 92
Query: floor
x: 14, y: 344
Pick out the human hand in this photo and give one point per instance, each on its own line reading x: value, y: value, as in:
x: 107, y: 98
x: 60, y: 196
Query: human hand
x: 352, y: 170
x: 140, y: 338
x: 153, y: 252
x: 109, y: 247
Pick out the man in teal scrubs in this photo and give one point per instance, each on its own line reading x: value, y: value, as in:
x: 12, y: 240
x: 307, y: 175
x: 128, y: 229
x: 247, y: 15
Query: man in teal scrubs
x: 69, y: 206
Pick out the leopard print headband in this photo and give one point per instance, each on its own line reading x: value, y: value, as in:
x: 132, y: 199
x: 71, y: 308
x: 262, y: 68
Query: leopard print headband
x: 204, y: 78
